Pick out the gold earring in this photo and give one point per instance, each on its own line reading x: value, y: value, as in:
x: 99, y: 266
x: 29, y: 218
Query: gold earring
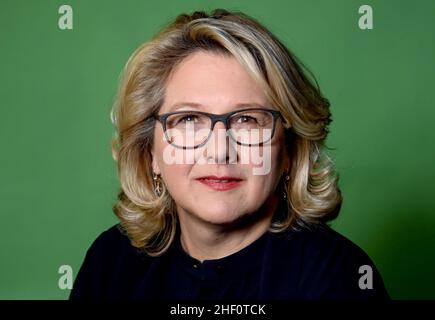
x: 157, y: 184
x: 284, y: 191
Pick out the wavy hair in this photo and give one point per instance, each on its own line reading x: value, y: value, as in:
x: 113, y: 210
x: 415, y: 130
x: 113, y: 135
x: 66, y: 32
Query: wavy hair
x: 149, y: 219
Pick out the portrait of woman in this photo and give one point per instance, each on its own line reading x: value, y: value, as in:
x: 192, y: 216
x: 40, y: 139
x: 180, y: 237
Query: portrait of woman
x: 226, y: 186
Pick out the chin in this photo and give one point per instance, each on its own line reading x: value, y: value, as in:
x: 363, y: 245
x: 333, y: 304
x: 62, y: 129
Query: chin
x: 219, y: 216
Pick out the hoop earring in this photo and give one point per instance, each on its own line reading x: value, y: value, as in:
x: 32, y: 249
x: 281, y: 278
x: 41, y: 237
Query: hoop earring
x: 157, y: 184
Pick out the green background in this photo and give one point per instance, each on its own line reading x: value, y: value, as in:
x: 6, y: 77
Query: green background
x: 58, y: 180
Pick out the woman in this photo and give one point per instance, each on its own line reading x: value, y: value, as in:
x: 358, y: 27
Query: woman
x: 225, y: 185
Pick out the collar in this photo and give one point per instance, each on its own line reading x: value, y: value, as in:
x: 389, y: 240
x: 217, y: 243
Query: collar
x: 247, y: 258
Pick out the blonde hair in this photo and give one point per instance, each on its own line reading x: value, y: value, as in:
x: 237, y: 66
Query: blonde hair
x: 149, y: 219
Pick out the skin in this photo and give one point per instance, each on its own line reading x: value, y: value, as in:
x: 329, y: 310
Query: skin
x: 213, y: 223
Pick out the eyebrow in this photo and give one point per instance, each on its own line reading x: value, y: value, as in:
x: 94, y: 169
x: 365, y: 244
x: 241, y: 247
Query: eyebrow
x: 195, y: 105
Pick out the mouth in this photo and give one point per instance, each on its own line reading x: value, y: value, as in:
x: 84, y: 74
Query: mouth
x: 220, y: 183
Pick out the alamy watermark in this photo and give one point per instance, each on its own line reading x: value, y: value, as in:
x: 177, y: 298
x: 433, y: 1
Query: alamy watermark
x: 65, y: 21
x: 65, y: 281
x: 366, y: 280
x: 365, y: 21
x: 217, y: 150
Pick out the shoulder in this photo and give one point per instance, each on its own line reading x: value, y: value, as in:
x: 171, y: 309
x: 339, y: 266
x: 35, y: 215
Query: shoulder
x: 319, y: 240
x: 109, y: 256
x: 113, y: 236
x: 328, y: 265
x: 114, y: 244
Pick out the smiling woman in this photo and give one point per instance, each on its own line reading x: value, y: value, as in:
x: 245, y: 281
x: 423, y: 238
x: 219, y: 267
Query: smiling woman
x: 219, y: 223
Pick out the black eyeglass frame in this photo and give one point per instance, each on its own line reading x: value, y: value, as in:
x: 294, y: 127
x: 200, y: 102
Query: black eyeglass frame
x: 224, y: 118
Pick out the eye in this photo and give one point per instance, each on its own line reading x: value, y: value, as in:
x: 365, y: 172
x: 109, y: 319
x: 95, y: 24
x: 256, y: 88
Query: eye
x: 188, y: 118
x: 245, y: 118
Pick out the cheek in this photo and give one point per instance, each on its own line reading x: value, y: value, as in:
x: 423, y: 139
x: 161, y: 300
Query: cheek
x: 263, y: 184
x: 173, y: 173
x: 266, y: 163
x: 279, y: 165
x: 176, y: 177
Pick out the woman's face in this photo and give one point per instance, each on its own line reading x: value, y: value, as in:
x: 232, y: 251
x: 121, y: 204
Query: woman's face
x: 217, y: 84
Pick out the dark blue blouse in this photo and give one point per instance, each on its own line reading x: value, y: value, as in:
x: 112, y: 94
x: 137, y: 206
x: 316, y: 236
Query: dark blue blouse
x: 312, y: 263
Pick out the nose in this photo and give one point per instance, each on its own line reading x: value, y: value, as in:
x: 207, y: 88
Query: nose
x: 219, y: 147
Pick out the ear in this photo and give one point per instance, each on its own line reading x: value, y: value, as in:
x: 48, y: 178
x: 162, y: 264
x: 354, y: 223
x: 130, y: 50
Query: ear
x: 155, y: 165
x: 286, y: 163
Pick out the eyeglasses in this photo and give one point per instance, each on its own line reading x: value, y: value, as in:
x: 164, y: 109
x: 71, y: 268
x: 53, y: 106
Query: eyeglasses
x: 192, y: 129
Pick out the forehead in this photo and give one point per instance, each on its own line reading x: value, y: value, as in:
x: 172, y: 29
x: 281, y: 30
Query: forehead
x: 211, y: 82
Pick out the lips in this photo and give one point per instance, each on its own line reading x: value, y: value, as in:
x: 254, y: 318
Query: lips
x: 224, y: 178
x: 220, y: 183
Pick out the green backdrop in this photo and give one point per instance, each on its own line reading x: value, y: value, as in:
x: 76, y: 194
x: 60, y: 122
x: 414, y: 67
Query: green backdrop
x: 58, y: 179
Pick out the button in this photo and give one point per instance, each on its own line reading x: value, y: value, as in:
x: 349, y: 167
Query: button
x: 195, y: 266
x: 219, y: 268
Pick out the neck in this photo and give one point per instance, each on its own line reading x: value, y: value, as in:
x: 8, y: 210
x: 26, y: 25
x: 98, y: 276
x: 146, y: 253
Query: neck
x: 205, y: 241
